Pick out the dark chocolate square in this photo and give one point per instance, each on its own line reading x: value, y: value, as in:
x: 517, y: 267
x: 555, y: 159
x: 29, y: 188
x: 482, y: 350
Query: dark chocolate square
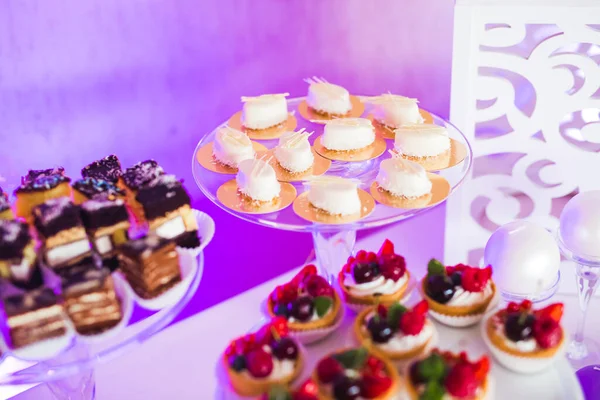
x: 92, y: 188
x: 14, y: 237
x: 22, y: 303
x: 107, y: 169
x: 100, y: 213
x: 34, y: 174
x: 142, y: 174
x: 42, y: 183
x: 56, y: 215
x: 163, y: 195
x: 83, y: 278
x: 136, y: 248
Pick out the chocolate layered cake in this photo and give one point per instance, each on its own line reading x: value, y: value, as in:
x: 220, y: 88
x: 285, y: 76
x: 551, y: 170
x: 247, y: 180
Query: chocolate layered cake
x: 136, y: 177
x: 92, y: 188
x: 17, y: 255
x: 166, y: 208
x: 59, y: 226
x: 37, y: 187
x: 5, y: 210
x: 106, y: 169
x: 89, y: 297
x: 34, y: 316
x: 151, y: 265
x: 106, y: 223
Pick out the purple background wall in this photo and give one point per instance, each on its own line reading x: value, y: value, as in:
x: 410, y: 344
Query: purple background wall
x: 146, y: 78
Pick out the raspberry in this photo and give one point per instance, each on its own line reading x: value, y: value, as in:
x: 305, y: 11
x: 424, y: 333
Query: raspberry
x: 316, y: 285
x: 392, y: 266
x: 285, y: 293
x: 547, y: 332
x: 373, y: 386
x: 475, y: 279
x: 308, y: 391
x: 512, y: 307
x: 421, y: 307
x: 461, y: 381
x: 328, y: 369
x: 375, y: 366
x: 526, y: 305
x: 303, y: 273
x: 361, y: 255
x: 411, y: 322
x: 259, y: 363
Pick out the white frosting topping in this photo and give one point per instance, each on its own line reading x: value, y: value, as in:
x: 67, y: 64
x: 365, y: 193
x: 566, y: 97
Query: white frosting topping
x: 232, y: 147
x: 171, y: 228
x: 403, y: 177
x: 257, y: 180
x: 313, y: 317
x: 329, y: 98
x: 378, y: 285
x: 421, y: 140
x: 403, y: 342
x: 21, y: 271
x: 394, y: 111
x: 348, y: 134
x: 294, y: 152
x: 264, y: 111
x: 463, y: 297
x: 337, y: 196
x: 60, y: 254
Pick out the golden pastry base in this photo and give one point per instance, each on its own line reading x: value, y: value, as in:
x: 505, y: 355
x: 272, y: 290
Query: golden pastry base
x: 370, y: 152
x: 309, y: 114
x: 205, y: 157
x: 229, y: 195
x: 440, y: 190
x: 273, y: 132
x: 307, y: 211
x: 319, y: 167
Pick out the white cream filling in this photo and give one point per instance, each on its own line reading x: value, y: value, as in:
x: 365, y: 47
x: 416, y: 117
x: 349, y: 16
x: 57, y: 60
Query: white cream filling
x: 379, y: 285
x: 103, y: 244
x: 21, y: 271
x: 402, y: 342
x: 313, y: 317
x: 462, y: 297
x: 61, y: 254
x: 172, y: 228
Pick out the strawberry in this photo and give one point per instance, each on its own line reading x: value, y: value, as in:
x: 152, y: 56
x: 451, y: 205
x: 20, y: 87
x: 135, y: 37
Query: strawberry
x: 553, y: 311
x: 461, y: 380
x: 421, y: 307
x: 412, y: 322
x: 280, y: 325
x: 475, y: 279
x: 284, y: 293
x: 482, y: 367
x: 303, y: 273
x: 316, y: 286
x: 328, y: 369
x: 512, y: 307
x: 307, y: 391
x: 373, y: 386
x: 547, y: 332
x: 386, y: 248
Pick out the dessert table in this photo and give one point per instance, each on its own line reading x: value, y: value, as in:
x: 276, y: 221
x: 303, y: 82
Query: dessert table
x: 180, y: 362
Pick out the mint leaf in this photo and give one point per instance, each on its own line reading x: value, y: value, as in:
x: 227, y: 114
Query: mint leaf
x: 279, y: 393
x: 352, y: 359
x: 394, y: 313
x: 433, y: 368
x: 435, y: 268
x: 433, y: 391
x: 322, y: 305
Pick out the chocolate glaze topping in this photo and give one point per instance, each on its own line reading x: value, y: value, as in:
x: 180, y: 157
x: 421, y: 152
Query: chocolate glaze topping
x: 14, y: 237
x: 83, y: 277
x: 161, y: 196
x: 93, y: 187
x: 99, y: 213
x: 56, y: 215
x: 107, y: 168
x: 42, y: 183
x: 22, y: 303
x: 135, y: 248
x: 33, y: 174
x: 142, y: 174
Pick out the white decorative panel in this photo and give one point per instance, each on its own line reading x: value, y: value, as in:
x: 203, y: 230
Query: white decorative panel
x: 526, y: 93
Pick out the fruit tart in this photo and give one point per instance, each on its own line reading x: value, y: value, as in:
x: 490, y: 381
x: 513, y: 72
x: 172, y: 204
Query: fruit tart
x: 448, y: 376
x: 356, y: 374
x: 309, y: 303
x: 460, y: 295
x: 258, y: 361
x: 369, y: 279
x: 525, y: 340
x: 396, y: 332
x: 307, y: 391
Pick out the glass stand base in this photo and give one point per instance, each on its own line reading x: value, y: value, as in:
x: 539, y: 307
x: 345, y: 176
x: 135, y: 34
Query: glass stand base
x: 583, y: 354
x: 332, y: 250
x: 77, y: 387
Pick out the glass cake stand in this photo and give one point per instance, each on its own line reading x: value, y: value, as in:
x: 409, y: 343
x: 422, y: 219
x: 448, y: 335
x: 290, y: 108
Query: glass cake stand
x: 333, y: 243
x: 70, y: 375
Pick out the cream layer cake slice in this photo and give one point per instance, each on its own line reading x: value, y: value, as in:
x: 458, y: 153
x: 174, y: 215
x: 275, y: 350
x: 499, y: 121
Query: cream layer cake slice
x: 327, y: 98
x: 266, y: 111
x: 421, y: 140
x: 232, y: 147
x: 293, y: 152
x: 256, y: 180
x: 348, y: 134
x: 333, y: 195
x: 403, y: 178
x: 395, y: 111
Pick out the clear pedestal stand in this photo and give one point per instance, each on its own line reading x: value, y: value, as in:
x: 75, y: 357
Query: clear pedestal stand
x: 332, y: 243
x: 70, y: 375
x: 583, y: 350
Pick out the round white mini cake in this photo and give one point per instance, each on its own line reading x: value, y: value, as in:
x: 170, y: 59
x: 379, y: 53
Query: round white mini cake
x: 403, y: 178
x: 421, y: 140
x: 336, y: 196
x: 232, y: 147
x: 294, y: 152
x: 394, y: 111
x: 328, y: 98
x: 266, y: 111
x: 257, y: 180
x: 347, y: 134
